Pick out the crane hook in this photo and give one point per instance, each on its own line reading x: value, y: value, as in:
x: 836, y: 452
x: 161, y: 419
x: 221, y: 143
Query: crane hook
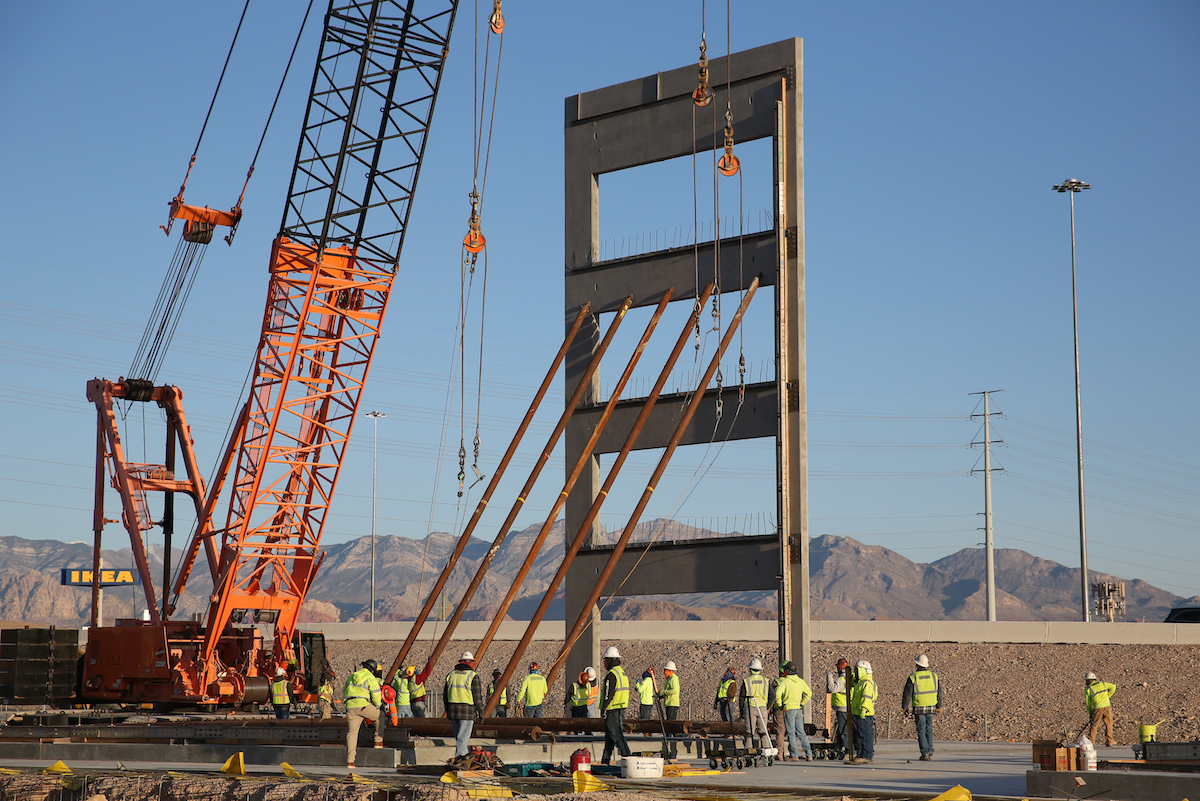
x: 729, y: 163
x: 496, y: 21
x: 474, y: 241
x: 704, y: 93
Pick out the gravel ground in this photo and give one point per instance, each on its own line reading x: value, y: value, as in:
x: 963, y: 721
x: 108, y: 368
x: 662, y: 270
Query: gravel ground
x: 998, y: 692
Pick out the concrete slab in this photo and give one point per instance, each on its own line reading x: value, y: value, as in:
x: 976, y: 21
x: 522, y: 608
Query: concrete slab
x: 986, y: 769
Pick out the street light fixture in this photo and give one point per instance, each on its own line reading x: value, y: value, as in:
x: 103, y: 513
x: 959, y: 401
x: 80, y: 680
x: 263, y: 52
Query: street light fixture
x: 1074, y: 186
x: 375, y: 417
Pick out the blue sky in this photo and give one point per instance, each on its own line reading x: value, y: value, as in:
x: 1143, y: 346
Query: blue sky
x: 938, y: 262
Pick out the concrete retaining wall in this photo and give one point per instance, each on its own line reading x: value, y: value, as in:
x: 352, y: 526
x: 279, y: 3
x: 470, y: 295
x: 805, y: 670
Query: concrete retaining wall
x: 958, y: 631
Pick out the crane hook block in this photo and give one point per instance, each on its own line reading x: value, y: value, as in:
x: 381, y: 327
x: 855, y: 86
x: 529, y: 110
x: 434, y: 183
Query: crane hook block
x: 729, y: 163
x: 474, y: 241
x: 496, y: 21
x: 199, y: 222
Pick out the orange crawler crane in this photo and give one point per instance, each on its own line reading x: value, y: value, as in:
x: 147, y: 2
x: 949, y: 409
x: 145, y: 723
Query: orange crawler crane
x: 331, y: 272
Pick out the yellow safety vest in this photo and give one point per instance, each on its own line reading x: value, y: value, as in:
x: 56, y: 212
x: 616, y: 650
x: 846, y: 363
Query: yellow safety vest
x: 645, y: 691
x: 620, y: 698
x: 325, y: 693
x: 1099, y: 695
x: 533, y: 689
x: 925, y: 688
x: 416, y: 691
x: 279, y: 692
x: 862, y: 703
x: 503, y: 694
x: 458, y: 684
x: 792, y: 692
x: 361, y: 688
x: 756, y: 689
x: 726, y: 690
x: 581, y: 694
x: 671, y: 691
x: 837, y: 698
x: 403, y: 689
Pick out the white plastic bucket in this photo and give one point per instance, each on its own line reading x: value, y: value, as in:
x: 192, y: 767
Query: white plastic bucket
x: 635, y: 767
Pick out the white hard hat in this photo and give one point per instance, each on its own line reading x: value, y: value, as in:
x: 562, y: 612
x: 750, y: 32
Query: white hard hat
x: 756, y: 664
x: 1090, y: 676
x: 670, y: 665
x: 591, y: 673
x: 280, y: 672
x: 467, y: 657
x: 923, y: 661
x: 864, y: 666
x: 611, y: 652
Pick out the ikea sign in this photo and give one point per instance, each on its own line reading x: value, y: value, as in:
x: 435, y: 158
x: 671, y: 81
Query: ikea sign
x: 78, y: 577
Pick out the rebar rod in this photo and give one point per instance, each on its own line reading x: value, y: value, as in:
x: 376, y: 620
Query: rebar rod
x: 487, y: 493
x: 688, y: 413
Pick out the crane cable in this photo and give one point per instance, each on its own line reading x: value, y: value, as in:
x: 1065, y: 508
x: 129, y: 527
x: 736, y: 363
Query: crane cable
x: 474, y: 242
x: 189, y: 254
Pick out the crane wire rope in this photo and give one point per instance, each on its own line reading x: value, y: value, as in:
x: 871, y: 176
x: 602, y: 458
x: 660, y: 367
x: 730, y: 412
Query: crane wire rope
x: 189, y: 255
x: 466, y: 279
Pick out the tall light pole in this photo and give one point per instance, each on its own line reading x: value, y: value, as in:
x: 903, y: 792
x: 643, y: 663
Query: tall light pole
x: 375, y: 417
x: 1073, y: 186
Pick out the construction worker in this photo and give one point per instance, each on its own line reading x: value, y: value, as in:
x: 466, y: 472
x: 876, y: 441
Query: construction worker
x: 614, y: 698
x: 645, y: 691
x: 670, y: 692
x: 281, y: 697
x: 1098, y: 695
x: 922, y: 699
x: 417, y: 692
x: 863, y: 695
x: 502, y: 704
x: 593, y: 690
x: 463, y: 697
x: 533, y: 692
x: 362, y: 695
x: 792, y: 694
x: 579, y: 695
x: 775, y: 722
x: 726, y: 691
x: 752, y: 695
x: 325, y: 692
x: 835, y: 685
x: 403, y: 685
x: 670, y: 698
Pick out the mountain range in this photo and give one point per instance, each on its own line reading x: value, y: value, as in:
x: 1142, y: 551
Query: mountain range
x: 849, y: 580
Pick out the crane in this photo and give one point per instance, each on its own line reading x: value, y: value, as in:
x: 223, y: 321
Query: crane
x: 331, y: 271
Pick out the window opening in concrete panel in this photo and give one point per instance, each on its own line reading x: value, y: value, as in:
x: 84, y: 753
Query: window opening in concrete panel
x: 745, y: 605
x: 726, y: 489
x: 658, y: 207
x: 755, y: 339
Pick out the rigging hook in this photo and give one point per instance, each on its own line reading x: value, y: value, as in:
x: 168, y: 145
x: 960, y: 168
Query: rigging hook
x: 728, y: 164
x: 704, y: 93
x: 474, y: 241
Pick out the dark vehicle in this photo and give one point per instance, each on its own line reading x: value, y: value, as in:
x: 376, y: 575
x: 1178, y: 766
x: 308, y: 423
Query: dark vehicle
x: 1184, y: 614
